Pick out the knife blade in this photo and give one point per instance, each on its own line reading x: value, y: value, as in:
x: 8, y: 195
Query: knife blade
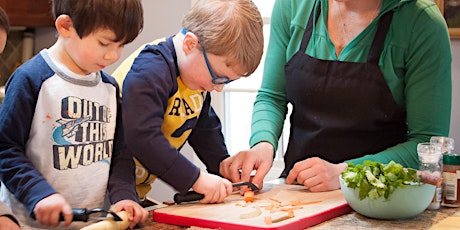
x: 155, y: 207
x: 150, y: 204
x: 194, y: 196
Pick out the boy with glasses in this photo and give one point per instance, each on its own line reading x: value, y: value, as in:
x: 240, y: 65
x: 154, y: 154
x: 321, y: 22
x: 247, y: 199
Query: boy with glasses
x: 166, y: 95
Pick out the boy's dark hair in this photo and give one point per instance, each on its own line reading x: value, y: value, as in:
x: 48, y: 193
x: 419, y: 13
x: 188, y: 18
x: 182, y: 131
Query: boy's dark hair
x: 4, y: 21
x: 124, y: 17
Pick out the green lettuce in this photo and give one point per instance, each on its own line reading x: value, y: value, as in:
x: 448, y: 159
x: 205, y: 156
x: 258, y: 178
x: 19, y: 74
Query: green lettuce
x: 374, y: 179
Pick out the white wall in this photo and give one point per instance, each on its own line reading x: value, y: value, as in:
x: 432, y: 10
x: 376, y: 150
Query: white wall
x: 455, y: 119
x: 161, y: 19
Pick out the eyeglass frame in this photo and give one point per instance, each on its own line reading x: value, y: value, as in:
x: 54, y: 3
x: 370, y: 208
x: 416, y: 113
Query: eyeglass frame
x: 216, y: 80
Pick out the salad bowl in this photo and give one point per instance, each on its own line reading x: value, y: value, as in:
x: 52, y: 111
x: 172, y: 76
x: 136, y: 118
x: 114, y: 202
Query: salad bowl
x: 403, y: 202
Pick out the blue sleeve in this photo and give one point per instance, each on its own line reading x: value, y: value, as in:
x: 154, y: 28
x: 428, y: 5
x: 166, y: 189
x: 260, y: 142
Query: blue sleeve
x: 16, y: 114
x: 122, y: 177
x: 207, y: 139
x: 146, y: 90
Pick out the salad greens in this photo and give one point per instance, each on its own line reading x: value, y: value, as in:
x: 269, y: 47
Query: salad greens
x: 374, y: 179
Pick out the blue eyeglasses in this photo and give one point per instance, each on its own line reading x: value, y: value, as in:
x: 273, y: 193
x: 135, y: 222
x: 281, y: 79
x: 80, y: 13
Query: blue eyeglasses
x: 216, y: 80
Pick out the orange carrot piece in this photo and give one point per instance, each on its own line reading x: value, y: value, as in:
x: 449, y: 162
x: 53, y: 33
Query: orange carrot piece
x: 268, y: 220
x: 249, y: 196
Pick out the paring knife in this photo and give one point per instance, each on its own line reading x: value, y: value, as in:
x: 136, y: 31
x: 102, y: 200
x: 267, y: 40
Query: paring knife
x: 194, y: 196
x: 83, y: 214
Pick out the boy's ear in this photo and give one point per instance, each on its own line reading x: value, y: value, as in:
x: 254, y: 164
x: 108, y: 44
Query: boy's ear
x: 189, y: 43
x: 64, y: 25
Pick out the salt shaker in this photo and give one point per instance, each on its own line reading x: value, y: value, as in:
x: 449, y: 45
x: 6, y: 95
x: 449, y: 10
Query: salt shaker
x: 447, y: 144
x: 430, y: 155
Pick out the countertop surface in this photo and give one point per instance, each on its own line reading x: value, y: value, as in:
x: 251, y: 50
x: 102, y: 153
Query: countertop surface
x: 354, y: 221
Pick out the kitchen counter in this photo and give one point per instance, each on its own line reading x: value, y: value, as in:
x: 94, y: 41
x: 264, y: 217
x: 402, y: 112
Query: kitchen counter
x: 353, y: 221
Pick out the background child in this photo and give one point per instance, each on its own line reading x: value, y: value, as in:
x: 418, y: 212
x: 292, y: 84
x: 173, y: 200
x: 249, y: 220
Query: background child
x: 166, y: 94
x: 61, y: 143
x: 7, y: 219
x: 4, y: 29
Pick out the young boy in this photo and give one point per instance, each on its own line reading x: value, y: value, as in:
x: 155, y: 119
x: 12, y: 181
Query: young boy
x: 61, y: 143
x: 166, y: 95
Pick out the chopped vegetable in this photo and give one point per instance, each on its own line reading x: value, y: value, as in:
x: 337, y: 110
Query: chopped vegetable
x: 252, y: 214
x: 274, y: 199
x: 374, y: 179
x: 270, y: 220
x: 297, y: 203
x: 249, y: 196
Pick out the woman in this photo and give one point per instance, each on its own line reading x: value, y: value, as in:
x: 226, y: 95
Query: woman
x: 367, y: 79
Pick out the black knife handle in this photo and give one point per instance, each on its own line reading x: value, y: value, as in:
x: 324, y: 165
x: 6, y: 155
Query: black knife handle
x: 79, y: 214
x: 189, y: 196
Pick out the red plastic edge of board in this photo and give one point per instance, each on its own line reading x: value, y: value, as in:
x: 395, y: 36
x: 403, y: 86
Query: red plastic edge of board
x: 299, y: 224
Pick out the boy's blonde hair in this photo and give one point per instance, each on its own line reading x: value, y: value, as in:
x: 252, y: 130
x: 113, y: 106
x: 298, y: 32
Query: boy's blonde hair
x: 228, y: 28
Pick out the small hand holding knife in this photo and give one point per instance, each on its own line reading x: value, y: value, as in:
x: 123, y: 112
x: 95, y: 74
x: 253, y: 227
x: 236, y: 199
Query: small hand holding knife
x: 83, y: 214
x: 194, y: 196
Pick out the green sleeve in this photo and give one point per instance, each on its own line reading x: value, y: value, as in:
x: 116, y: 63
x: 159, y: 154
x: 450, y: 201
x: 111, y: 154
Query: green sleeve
x: 270, y: 107
x: 427, y: 83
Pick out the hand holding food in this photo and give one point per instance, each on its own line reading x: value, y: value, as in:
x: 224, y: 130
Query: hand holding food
x: 240, y: 166
x: 135, y: 213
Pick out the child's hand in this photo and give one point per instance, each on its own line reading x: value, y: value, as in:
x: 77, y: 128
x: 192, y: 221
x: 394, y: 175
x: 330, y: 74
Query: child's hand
x: 136, y: 214
x: 214, y: 188
x: 48, y: 209
x: 8, y: 224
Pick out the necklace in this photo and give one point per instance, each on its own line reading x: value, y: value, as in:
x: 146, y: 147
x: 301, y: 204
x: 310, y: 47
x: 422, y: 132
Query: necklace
x: 344, y: 26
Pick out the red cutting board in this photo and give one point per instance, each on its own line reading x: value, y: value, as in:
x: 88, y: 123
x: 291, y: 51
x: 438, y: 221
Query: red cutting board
x: 227, y: 214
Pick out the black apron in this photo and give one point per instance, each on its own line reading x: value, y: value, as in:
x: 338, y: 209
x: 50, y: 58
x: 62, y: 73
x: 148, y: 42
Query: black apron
x: 341, y: 110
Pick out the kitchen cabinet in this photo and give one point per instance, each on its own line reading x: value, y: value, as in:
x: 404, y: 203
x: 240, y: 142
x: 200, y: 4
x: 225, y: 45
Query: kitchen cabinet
x: 28, y: 13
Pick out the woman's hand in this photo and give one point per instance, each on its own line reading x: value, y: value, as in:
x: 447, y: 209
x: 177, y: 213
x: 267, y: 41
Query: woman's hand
x: 316, y: 174
x: 239, y: 167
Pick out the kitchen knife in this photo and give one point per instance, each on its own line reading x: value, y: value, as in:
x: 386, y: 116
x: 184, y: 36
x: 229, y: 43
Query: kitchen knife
x: 194, y: 196
x: 155, y: 207
x: 83, y: 214
x: 150, y: 204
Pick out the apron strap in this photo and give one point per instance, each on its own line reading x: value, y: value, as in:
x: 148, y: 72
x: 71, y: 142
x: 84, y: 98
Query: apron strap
x: 309, y: 29
x: 377, y: 43
x: 379, y: 38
